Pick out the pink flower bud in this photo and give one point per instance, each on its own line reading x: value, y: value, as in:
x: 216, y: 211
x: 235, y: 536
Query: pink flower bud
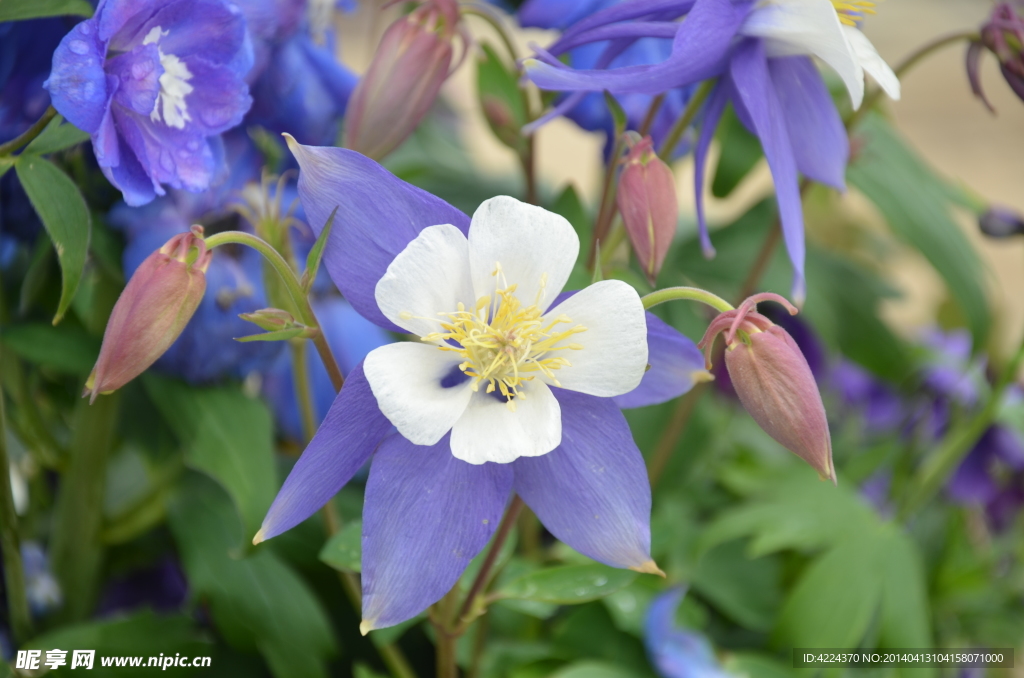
x: 647, y: 201
x: 151, y: 312
x: 774, y: 382
x: 408, y: 69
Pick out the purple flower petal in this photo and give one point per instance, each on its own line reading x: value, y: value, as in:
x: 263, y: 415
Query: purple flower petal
x: 124, y: 170
x: 353, y: 428
x: 426, y: 515
x: 676, y: 366
x: 78, y: 83
x: 973, y: 483
x: 712, y: 115
x: 591, y: 491
x: 749, y: 72
x: 676, y: 653
x: 624, y: 11
x: 558, y: 14
x: 820, y: 144
x: 380, y: 215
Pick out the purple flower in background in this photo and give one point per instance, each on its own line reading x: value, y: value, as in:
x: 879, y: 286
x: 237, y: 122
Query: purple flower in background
x: 152, y: 81
x: 26, y: 49
x: 400, y: 256
x: 950, y: 371
x: 351, y: 337
x: 161, y: 587
x: 861, y: 392
x: 673, y: 652
x: 41, y: 587
x: 992, y: 476
x: 757, y: 51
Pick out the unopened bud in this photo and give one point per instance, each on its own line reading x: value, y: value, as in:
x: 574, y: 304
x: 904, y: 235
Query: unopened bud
x: 151, y: 312
x: 411, y: 63
x: 271, y: 319
x: 774, y: 382
x: 1000, y: 222
x: 1003, y: 35
x: 647, y: 201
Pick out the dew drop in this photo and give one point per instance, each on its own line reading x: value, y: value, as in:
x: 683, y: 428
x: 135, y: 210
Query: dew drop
x: 192, y: 145
x: 580, y: 592
x: 215, y: 117
x: 78, y: 47
x: 141, y: 69
x: 166, y: 161
x: 85, y: 28
x: 600, y: 581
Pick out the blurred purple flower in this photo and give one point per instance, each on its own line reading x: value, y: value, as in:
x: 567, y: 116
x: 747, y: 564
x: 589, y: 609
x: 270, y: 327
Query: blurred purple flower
x: 161, y: 587
x: 950, y: 370
x: 674, y: 652
x: 428, y: 513
x: 992, y: 475
x: 152, y: 81
x: 41, y: 587
x: 881, y: 407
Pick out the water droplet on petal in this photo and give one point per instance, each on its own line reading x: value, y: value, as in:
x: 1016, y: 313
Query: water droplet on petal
x: 193, y: 145
x: 141, y: 69
x: 166, y: 161
x: 215, y: 117
x: 85, y: 28
x: 78, y: 47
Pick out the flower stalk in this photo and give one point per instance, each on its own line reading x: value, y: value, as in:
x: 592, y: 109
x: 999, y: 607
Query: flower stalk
x: 26, y: 137
x: 14, y: 574
x: 686, y: 294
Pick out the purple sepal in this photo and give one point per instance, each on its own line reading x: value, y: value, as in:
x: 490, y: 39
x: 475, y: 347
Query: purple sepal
x: 351, y: 431
x: 676, y: 366
x: 78, y: 83
x: 712, y: 115
x: 623, y: 11
x: 591, y: 491
x: 426, y: 515
x: 380, y: 215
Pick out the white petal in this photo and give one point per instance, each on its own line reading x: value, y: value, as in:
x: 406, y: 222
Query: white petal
x: 430, y: 276
x: 614, y: 354
x: 405, y: 377
x: 791, y: 27
x: 873, y: 63
x: 489, y: 431
x: 528, y: 242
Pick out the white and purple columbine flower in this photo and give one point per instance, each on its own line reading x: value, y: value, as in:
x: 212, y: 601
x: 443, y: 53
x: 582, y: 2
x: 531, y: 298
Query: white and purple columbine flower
x: 758, y: 50
x: 509, y: 387
x: 152, y: 81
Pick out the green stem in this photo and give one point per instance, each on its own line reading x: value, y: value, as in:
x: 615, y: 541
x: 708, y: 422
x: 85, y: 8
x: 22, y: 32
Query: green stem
x: 496, y: 24
x: 606, y: 212
x: 685, y: 120
x: 14, y: 575
x: 935, y: 471
x: 294, y: 289
x: 652, y: 113
x: 686, y: 294
x: 28, y: 135
x: 615, y: 237
x: 904, y: 67
x: 484, y: 575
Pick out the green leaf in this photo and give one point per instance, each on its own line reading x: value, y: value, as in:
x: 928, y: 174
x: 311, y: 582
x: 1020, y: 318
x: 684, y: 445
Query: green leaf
x: 344, y: 550
x: 56, y: 136
x: 141, y: 635
x: 63, y: 212
x: 227, y: 436
x: 277, y: 335
x: 740, y: 152
x: 618, y: 115
x: 68, y: 348
x: 17, y: 10
x: 316, y: 253
x: 746, y: 589
x: 905, y: 618
x: 568, y: 584
x: 918, y: 207
x: 257, y: 602
x: 590, y: 669
x: 834, y: 601
x: 500, y: 98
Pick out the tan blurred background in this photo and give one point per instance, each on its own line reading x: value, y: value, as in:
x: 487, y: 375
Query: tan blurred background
x: 938, y: 114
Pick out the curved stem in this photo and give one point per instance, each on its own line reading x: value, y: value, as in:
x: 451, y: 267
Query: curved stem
x: 294, y: 289
x: 684, y: 121
x: 687, y: 294
x: 608, y: 208
x: 905, y: 66
x: 496, y: 24
x: 492, y: 557
x: 652, y: 113
x: 26, y: 137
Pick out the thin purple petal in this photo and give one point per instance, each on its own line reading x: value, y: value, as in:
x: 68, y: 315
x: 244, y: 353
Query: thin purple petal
x: 591, y: 491
x: 625, y: 11
x: 426, y: 515
x: 676, y: 366
x: 353, y: 428
x: 712, y: 115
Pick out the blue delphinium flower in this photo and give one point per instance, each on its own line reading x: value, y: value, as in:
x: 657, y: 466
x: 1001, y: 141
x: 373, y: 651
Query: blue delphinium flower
x: 992, y: 476
x: 755, y: 50
x: 41, y: 587
x: 152, y: 81
x: 673, y: 652
x: 861, y: 393
x: 351, y: 337
x: 466, y: 438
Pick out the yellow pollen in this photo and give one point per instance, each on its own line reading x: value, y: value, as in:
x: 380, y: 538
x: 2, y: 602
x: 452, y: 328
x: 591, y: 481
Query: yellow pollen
x: 851, y: 12
x: 503, y: 343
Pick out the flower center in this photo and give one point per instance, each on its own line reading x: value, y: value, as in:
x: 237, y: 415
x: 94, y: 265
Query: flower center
x: 174, y: 85
x: 852, y: 12
x: 504, y: 343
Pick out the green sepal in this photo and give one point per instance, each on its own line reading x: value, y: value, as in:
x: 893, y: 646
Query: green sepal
x: 316, y: 254
x: 618, y: 115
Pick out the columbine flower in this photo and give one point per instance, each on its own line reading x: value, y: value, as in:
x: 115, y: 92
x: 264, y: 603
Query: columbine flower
x: 674, y: 652
x: 516, y: 372
x: 151, y: 81
x: 755, y: 49
x: 1003, y: 35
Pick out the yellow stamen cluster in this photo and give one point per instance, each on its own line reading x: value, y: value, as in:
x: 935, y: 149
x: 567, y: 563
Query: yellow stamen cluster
x: 504, y: 343
x: 852, y: 11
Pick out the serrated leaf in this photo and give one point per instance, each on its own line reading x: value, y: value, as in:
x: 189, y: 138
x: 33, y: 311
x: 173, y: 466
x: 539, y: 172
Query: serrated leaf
x: 63, y: 211
x: 316, y: 253
x: 276, y: 335
x: 18, y: 10
x: 227, y: 436
x: 344, y: 550
x: 56, y: 137
x: 257, y: 603
x: 568, y: 584
x: 67, y: 349
x: 917, y: 206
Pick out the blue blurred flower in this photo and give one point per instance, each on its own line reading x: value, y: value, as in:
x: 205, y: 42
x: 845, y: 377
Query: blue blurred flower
x: 161, y: 587
x: 756, y: 51
x: 950, y: 370
x: 674, y: 652
x: 152, y: 81
x: 41, y: 587
x: 351, y: 337
x: 860, y: 392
